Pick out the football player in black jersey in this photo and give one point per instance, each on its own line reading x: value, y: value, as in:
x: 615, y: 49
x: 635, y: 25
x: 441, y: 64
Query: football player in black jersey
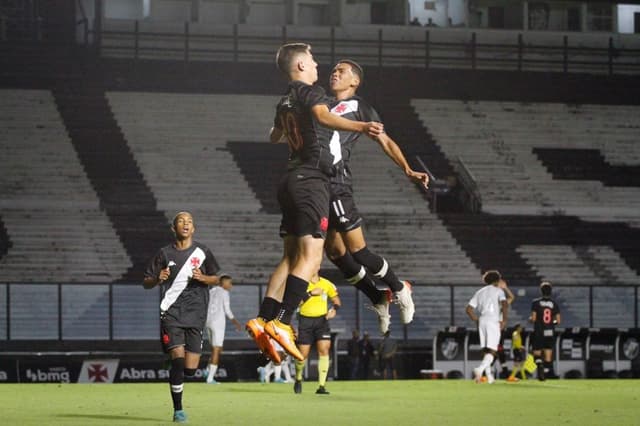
x: 302, y: 120
x: 545, y: 315
x: 346, y: 246
x: 185, y: 270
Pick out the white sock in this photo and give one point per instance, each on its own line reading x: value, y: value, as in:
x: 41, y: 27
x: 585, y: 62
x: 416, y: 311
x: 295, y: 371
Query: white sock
x: 286, y: 369
x: 486, y: 362
x: 268, y: 370
x: 277, y: 372
x: 213, y: 368
x: 488, y: 371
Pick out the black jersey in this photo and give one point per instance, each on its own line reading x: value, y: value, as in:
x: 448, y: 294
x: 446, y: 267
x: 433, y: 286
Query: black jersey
x: 353, y: 108
x: 546, y: 310
x: 311, y: 145
x: 184, y: 300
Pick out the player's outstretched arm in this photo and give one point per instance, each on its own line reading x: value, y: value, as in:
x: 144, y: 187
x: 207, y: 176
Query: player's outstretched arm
x: 327, y: 119
x: 394, y: 152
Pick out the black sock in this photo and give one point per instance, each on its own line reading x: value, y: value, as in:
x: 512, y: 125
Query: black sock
x: 368, y: 287
x: 357, y: 275
x: 269, y: 308
x: 347, y: 265
x: 379, y: 267
x: 540, y: 367
x: 176, y: 380
x: 293, y: 294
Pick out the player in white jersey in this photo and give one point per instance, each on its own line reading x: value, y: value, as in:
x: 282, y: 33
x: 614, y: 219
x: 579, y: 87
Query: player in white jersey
x: 485, y: 308
x: 218, y: 311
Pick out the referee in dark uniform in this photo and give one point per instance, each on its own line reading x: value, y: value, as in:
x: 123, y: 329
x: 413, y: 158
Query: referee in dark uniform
x: 185, y: 270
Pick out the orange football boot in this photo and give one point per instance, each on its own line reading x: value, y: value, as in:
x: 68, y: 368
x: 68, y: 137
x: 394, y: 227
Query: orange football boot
x: 255, y: 329
x: 284, y: 335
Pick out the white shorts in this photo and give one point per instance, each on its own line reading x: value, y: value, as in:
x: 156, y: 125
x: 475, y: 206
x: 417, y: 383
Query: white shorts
x: 489, y: 331
x: 215, y: 334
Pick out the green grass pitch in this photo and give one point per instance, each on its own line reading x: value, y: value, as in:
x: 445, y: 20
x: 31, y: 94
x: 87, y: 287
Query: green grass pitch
x: 358, y: 403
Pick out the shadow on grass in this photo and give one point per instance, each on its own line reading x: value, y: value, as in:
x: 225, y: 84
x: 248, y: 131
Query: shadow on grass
x: 109, y: 417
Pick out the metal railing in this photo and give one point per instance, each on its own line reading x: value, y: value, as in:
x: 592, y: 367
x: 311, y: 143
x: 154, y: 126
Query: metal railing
x: 378, y: 47
x: 472, y: 195
x: 75, y: 311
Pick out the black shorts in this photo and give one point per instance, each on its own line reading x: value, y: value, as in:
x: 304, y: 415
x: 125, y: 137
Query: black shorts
x: 303, y: 195
x: 518, y: 355
x: 173, y: 336
x: 312, y: 329
x: 539, y: 342
x: 343, y: 213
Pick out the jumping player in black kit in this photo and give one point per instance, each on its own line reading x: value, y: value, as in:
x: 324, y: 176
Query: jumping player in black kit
x: 185, y: 269
x: 545, y: 315
x: 345, y: 245
x: 304, y: 121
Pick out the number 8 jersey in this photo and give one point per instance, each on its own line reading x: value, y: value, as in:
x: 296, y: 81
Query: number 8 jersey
x: 546, y: 310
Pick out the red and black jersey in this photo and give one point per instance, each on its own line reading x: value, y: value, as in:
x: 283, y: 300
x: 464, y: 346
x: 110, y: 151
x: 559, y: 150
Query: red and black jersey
x: 309, y: 142
x: 184, y: 300
x: 546, y: 310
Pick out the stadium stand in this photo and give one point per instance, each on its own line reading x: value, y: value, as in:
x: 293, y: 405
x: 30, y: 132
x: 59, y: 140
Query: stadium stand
x: 124, y: 194
x: 404, y: 125
x: 578, y: 264
x: 499, y: 143
x: 51, y: 212
x: 5, y: 243
x: 488, y: 135
x: 3, y: 318
x: 179, y: 142
x: 155, y: 136
x: 235, y: 201
x: 589, y: 164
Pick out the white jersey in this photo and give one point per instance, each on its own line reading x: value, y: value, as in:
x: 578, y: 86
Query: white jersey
x: 218, y: 306
x: 487, y: 303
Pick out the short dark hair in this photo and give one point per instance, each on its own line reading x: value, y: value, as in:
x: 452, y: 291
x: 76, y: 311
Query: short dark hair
x: 177, y: 215
x: 545, y: 288
x: 491, y: 277
x: 287, y: 53
x: 355, y: 68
